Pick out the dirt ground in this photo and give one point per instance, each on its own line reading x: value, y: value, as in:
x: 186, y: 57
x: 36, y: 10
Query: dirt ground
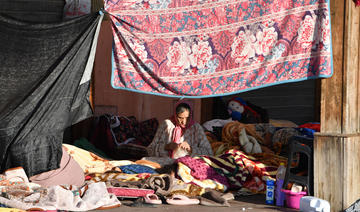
x: 255, y: 203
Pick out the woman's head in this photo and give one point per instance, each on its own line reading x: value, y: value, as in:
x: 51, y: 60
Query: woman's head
x: 183, y: 114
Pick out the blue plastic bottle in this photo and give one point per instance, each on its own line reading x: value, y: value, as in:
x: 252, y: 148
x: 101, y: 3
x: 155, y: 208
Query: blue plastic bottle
x: 270, y: 187
x: 280, y: 175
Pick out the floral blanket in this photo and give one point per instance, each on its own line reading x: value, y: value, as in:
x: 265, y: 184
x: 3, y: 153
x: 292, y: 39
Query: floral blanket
x: 204, y: 48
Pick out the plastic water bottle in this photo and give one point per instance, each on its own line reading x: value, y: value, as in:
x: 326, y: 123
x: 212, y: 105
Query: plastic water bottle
x: 270, y: 187
x: 280, y: 175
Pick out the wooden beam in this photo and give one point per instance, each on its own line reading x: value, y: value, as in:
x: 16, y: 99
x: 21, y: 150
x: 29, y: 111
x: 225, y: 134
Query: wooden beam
x: 337, y: 169
x: 331, y: 88
x: 337, y: 147
x: 206, y: 109
x: 351, y: 172
x: 328, y: 168
x: 350, y: 118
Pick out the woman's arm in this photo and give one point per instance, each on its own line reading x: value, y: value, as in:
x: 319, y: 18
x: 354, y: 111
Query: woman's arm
x: 161, y: 139
x: 201, y: 145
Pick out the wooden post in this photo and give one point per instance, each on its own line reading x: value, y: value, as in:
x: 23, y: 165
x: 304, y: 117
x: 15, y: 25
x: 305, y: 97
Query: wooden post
x: 337, y: 146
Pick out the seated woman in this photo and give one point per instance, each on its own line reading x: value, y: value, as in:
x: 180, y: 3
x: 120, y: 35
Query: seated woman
x: 179, y: 136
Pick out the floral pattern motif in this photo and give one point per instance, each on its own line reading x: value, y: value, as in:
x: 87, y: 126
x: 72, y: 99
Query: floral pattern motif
x: 306, y: 32
x: 178, y: 57
x: 243, y: 47
x: 201, y: 54
x: 215, y: 47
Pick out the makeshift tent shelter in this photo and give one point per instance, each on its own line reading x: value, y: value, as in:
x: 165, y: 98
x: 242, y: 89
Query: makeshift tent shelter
x: 339, y: 138
x: 337, y: 146
x: 45, y: 78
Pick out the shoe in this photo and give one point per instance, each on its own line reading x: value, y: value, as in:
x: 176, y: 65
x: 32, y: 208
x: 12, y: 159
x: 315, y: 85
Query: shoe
x: 152, y: 199
x: 140, y: 203
x: 179, y: 199
x: 209, y: 202
x: 213, y: 198
x: 228, y: 196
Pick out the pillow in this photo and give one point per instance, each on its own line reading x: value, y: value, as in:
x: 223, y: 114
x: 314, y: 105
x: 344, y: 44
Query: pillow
x: 282, y: 123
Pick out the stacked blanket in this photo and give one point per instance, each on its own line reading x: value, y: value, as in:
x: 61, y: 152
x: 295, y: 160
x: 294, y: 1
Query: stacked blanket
x: 106, y: 180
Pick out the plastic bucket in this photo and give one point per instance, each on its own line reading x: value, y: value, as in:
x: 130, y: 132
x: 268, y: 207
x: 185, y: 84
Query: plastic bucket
x: 293, y: 198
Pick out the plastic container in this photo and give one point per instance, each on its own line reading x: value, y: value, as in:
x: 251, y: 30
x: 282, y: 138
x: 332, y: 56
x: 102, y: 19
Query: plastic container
x: 270, y: 187
x: 293, y: 198
x: 280, y: 176
x: 314, y: 204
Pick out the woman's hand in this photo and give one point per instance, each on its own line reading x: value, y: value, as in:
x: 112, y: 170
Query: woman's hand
x: 174, y: 146
x: 185, y: 145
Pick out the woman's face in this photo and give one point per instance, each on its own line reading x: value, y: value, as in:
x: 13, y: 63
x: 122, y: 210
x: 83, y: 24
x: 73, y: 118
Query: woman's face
x: 182, y: 118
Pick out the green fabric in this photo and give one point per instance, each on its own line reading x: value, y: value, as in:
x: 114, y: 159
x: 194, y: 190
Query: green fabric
x: 83, y: 143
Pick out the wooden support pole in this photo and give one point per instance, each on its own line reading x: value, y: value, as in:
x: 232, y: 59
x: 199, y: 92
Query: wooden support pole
x: 337, y: 147
x: 337, y: 169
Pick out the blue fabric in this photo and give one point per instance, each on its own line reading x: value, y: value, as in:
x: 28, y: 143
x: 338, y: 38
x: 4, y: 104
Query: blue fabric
x: 307, y: 132
x: 136, y: 169
x: 3, y: 206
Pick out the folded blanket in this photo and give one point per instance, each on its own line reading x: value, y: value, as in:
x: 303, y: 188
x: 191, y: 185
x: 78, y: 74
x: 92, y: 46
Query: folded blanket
x: 129, y: 192
x: 136, y: 169
x: 161, y: 184
x: 92, y: 163
x: 201, y: 170
x: 184, y: 172
x: 72, y: 198
x: 187, y: 189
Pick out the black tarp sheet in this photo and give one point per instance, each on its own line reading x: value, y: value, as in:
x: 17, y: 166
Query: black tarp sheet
x: 43, y: 88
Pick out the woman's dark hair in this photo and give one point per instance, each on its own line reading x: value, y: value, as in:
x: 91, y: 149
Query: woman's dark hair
x: 182, y: 107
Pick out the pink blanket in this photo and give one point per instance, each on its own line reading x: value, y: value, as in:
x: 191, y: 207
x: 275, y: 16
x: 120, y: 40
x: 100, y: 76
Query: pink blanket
x: 214, y: 47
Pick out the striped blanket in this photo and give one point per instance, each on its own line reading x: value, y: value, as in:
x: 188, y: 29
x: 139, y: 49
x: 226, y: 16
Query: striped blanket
x: 204, y: 48
x: 240, y: 170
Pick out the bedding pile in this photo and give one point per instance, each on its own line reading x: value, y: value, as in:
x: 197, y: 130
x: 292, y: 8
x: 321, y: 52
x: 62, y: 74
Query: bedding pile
x: 205, y: 180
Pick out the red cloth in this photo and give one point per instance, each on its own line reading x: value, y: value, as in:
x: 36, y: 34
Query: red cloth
x: 313, y: 126
x: 357, y: 2
x: 129, y: 192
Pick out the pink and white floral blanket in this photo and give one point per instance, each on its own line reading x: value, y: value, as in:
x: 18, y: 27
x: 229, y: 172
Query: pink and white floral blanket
x: 205, y: 48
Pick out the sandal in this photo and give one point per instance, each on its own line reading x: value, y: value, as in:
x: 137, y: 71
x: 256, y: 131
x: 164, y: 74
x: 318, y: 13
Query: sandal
x: 152, y: 199
x: 179, y: 199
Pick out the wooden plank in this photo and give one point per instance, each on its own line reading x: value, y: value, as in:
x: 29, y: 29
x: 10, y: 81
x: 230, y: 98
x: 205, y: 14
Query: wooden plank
x: 328, y: 170
x: 351, y: 69
x: 351, y: 170
x: 317, y: 98
x: 102, y: 64
x: 206, y: 109
x: 96, y: 5
x: 105, y: 109
x: 331, y: 88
